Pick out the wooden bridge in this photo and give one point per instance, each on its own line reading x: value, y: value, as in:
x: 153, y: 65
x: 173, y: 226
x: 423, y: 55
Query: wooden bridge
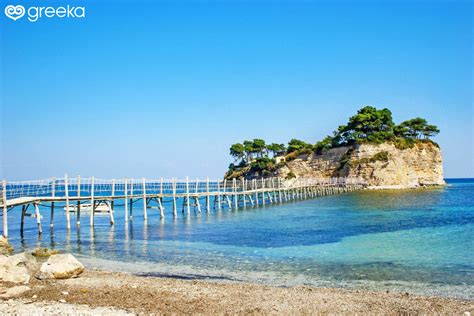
x: 72, y: 194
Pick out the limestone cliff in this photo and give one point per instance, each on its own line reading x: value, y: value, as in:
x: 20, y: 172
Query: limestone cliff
x: 380, y: 166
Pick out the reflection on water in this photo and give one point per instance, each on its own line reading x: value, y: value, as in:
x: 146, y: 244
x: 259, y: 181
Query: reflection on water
x: 419, y: 241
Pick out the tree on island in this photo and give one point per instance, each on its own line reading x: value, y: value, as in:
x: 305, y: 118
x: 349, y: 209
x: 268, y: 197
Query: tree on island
x: 276, y: 149
x: 416, y: 128
x: 296, y: 145
x: 370, y: 124
x: 238, y: 151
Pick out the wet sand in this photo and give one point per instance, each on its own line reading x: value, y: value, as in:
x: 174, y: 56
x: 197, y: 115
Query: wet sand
x: 99, y: 292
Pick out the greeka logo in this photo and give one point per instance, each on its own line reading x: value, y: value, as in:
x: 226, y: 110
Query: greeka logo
x: 16, y: 12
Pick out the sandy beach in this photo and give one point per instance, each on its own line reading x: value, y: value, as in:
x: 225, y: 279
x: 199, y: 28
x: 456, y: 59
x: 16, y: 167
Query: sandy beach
x: 100, y: 292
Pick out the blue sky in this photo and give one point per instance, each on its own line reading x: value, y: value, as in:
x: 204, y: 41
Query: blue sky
x: 162, y: 88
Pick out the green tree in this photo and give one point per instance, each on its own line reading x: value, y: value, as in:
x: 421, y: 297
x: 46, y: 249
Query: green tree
x: 249, y: 149
x: 325, y: 144
x: 416, y: 128
x: 296, y: 145
x: 260, y: 147
x: 276, y: 149
x: 237, y: 151
x: 368, y: 124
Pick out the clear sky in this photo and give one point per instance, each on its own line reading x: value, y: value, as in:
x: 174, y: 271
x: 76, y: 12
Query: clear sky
x: 162, y: 88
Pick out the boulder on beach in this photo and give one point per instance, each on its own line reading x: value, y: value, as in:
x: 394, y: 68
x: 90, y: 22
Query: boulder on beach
x: 44, y: 252
x: 62, y: 266
x: 5, y: 247
x: 18, y: 268
x: 14, y: 291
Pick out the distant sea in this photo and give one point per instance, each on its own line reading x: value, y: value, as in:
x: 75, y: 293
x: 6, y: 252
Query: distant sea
x: 417, y: 241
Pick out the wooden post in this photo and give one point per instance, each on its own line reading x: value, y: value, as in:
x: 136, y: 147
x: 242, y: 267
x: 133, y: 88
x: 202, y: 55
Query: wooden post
x: 229, y: 203
x: 197, y: 196
x: 274, y: 191
x: 66, y: 192
x: 111, y: 206
x: 174, y: 198
x: 224, y: 189
x: 160, y: 199
x: 145, y: 217
x: 91, y: 218
x: 78, y: 211
x: 130, y: 217
x: 279, y: 190
x: 263, y: 192
x: 53, y: 193
x: 256, y: 190
x: 5, y: 209
x: 22, y: 224
x: 187, y: 196
x: 250, y: 195
x: 38, y: 219
x: 208, y: 202
x: 236, y: 195
x: 219, y: 194
x: 243, y: 192
x: 125, y: 189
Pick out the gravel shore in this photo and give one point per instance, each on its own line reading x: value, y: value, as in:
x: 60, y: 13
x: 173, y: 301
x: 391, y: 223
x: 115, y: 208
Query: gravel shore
x: 98, y: 292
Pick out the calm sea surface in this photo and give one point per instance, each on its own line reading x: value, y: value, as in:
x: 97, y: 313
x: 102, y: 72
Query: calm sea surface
x: 418, y: 241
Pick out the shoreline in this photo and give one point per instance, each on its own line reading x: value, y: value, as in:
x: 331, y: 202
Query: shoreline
x: 121, y: 293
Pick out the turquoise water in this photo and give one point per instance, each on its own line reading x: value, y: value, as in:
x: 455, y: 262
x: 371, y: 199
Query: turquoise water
x: 418, y: 241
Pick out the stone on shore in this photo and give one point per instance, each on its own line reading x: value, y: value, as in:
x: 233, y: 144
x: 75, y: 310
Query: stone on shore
x: 15, y: 291
x: 62, y: 266
x: 44, y: 252
x: 5, y: 247
x: 18, y: 268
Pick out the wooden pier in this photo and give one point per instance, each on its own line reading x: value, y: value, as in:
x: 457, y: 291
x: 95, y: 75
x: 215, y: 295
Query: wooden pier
x: 75, y: 193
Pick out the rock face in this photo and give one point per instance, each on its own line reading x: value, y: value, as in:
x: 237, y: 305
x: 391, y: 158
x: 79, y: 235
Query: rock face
x: 62, y: 266
x: 18, y: 268
x: 380, y: 166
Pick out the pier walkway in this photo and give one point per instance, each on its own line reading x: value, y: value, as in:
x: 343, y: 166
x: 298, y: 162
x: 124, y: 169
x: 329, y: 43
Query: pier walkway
x: 73, y: 194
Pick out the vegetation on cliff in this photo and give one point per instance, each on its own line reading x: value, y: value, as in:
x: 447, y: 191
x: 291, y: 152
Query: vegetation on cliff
x: 368, y: 125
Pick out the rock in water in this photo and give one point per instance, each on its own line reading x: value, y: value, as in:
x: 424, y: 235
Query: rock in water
x: 17, y: 268
x: 44, y: 252
x: 62, y: 266
x: 5, y: 247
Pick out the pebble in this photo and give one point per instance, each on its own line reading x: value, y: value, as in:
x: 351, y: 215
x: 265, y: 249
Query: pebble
x: 62, y: 301
x: 65, y: 293
x: 134, y: 286
x: 34, y: 296
x: 467, y: 313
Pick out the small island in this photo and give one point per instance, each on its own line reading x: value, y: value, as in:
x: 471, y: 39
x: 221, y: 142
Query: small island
x: 370, y: 147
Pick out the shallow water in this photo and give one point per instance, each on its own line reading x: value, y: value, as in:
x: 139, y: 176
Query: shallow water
x: 419, y: 241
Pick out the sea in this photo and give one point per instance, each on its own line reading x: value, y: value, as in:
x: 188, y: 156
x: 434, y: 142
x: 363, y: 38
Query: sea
x: 414, y: 241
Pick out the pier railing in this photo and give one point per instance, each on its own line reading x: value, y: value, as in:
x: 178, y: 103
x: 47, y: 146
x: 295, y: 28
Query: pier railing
x: 77, y: 192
